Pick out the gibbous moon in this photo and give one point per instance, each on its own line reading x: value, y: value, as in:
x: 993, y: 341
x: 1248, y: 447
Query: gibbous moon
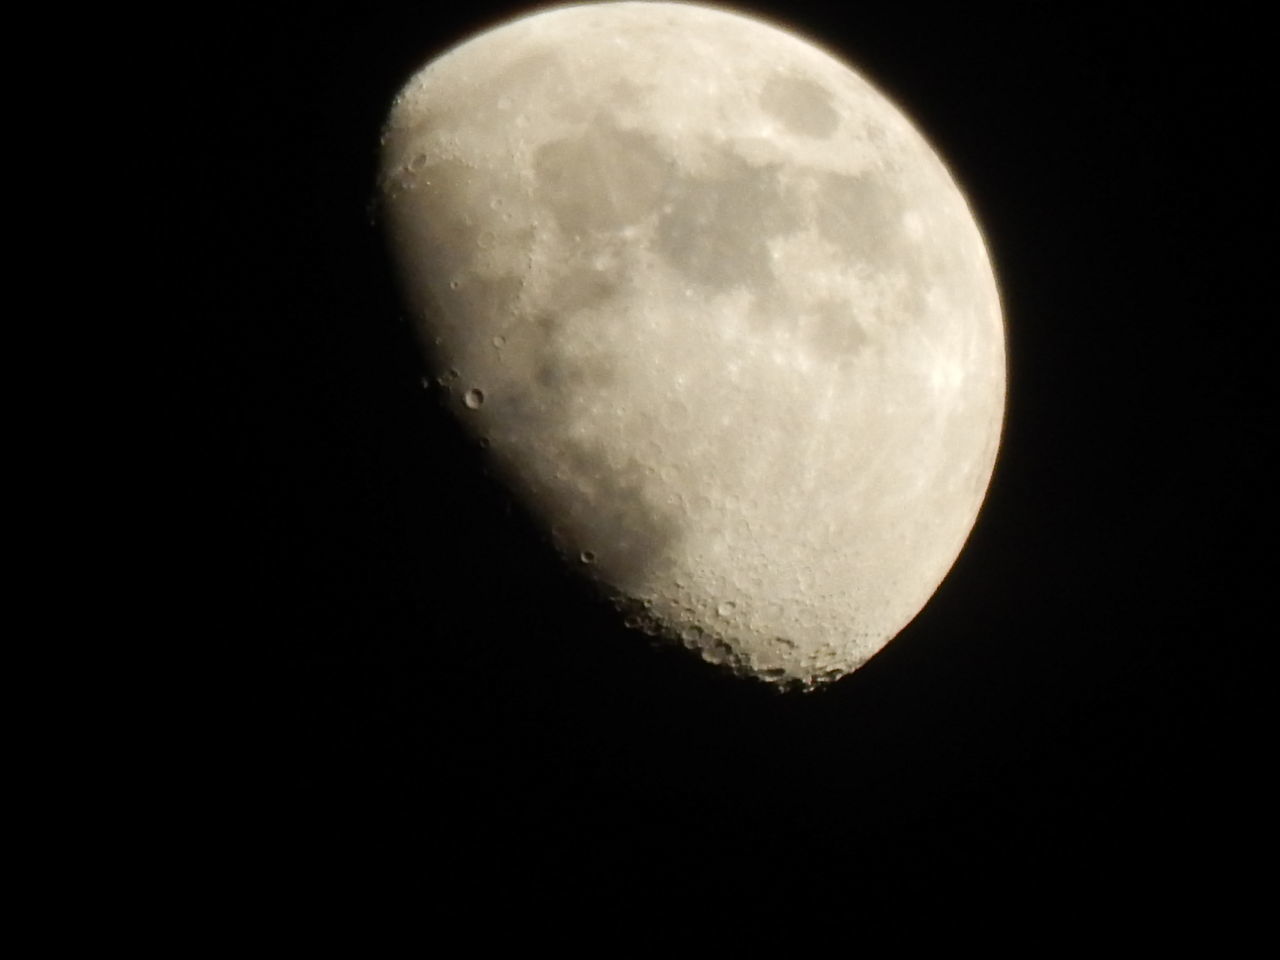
x: 719, y: 314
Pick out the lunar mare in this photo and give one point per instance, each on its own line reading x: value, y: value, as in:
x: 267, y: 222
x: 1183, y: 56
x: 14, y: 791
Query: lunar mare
x: 720, y: 314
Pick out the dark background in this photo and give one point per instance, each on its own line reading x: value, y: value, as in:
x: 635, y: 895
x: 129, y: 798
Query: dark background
x: 412, y: 684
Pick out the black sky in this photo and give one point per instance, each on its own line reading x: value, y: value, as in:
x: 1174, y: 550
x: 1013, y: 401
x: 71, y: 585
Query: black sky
x: 416, y: 685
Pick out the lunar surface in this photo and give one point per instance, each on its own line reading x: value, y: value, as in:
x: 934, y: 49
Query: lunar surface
x: 719, y: 314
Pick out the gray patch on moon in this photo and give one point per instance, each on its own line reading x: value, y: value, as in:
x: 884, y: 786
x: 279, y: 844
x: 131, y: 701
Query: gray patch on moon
x: 800, y: 105
x: 561, y: 373
x: 862, y: 215
x: 834, y: 332
x: 715, y: 230
x: 604, y: 179
x: 627, y: 94
x: 523, y: 74
x: 865, y: 216
x: 582, y: 287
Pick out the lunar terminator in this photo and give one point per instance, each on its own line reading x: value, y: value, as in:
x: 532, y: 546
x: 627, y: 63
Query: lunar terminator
x: 719, y: 312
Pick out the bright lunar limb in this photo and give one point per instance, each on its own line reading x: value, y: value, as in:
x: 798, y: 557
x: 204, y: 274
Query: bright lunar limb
x: 720, y: 313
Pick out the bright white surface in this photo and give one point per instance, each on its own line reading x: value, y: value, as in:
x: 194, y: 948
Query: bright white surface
x: 733, y: 329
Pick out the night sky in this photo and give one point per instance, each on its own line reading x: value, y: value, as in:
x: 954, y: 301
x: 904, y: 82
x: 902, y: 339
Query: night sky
x: 415, y: 685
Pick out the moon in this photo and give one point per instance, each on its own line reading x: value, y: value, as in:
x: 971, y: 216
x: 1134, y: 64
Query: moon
x: 717, y: 311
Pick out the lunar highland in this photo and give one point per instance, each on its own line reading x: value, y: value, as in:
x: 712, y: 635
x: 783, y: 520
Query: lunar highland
x: 721, y: 314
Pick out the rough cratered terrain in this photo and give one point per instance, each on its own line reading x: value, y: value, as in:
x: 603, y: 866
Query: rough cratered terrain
x: 720, y: 313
